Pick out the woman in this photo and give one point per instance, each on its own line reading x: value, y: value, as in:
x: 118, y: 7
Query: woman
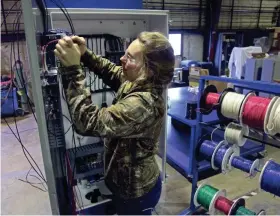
x: 132, y: 125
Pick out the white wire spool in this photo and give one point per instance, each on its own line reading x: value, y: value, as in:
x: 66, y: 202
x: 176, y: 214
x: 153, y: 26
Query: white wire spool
x: 231, y: 105
x: 234, y: 134
x: 214, y: 153
x: 272, y: 117
x: 243, y: 105
x: 224, y: 166
x: 254, y: 168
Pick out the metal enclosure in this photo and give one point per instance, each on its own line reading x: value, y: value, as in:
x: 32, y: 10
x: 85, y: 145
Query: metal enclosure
x: 123, y: 23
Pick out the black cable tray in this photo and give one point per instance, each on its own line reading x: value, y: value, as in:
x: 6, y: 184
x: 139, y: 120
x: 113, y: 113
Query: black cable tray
x: 85, y: 150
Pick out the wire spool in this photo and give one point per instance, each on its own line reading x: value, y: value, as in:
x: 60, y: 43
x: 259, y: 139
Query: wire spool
x: 272, y: 118
x: 270, y: 178
x: 227, y: 206
x: 248, y: 166
x: 254, y: 111
x: 231, y: 104
x: 221, y: 155
x: 236, y: 204
x: 234, y: 134
x: 262, y: 212
x: 223, y: 204
x: 249, y: 94
x: 244, y: 211
x: 206, y: 196
x: 208, y: 100
x: 207, y: 149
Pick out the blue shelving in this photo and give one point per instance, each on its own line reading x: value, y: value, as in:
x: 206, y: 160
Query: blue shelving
x: 249, y: 148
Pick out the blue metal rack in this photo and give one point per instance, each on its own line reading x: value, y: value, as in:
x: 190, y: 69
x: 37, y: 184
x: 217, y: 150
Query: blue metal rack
x: 257, y: 86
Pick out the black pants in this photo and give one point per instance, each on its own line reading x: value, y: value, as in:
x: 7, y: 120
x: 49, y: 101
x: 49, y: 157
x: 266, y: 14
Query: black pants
x: 139, y: 206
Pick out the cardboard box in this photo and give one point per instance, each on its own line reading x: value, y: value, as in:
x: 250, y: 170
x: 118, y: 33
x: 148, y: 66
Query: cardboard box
x: 221, y: 86
x: 194, y: 82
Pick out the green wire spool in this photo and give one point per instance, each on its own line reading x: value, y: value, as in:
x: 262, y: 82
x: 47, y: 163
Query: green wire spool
x: 244, y: 211
x: 206, y: 195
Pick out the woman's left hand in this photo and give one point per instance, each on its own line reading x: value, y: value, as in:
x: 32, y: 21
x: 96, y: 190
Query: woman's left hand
x: 68, y: 56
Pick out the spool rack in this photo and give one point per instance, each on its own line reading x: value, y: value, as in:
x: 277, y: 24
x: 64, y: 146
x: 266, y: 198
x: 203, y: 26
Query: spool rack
x: 257, y: 86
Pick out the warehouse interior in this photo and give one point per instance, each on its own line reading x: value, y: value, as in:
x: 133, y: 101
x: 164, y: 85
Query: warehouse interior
x: 218, y: 150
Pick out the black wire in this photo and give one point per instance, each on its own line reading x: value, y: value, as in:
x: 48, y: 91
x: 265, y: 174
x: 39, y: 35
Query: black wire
x: 21, y: 74
x: 18, y: 137
x: 32, y: 183
x: 26, y: 151
x: 66, y: 15
x: 9, y: 11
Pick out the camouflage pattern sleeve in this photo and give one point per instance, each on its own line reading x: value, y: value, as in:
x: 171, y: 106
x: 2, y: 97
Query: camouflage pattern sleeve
x: 106, y: 70
x: 128, y: 118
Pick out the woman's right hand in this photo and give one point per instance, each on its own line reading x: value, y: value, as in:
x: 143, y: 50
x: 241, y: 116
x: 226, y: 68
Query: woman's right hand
x: 77, y: 40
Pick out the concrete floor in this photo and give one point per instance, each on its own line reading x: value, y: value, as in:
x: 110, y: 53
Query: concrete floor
x: 20, y: 198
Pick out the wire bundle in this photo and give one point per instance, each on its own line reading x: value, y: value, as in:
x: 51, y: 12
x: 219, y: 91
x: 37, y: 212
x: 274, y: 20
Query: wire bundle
x: 273, y: 124
x: 244, y: 211
x: 205, y: 195
x: 231, y: 105
x: 207, y: 149
x: 234, y: 134
x: 219, y: 156
x: 242, y: 164
x: 270, y: 178
x: 223, y: 204
x: 254, y: 111
x: 211, y: 100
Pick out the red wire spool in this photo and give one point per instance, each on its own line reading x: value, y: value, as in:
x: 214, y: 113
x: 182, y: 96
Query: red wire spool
x: 254, y: 111
x: 211, y: 100
x: 223, y: 204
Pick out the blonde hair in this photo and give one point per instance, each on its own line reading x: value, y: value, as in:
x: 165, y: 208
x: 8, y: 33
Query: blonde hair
x: 158, y: 56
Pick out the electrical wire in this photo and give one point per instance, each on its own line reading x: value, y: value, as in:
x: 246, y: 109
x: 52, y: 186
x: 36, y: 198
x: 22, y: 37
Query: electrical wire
x: 66, y: 14
x: 20, y: 131
x: 17, y: 136
x: 10, y: 10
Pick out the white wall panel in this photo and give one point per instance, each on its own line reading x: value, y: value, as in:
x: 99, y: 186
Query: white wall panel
x: 193, y: 46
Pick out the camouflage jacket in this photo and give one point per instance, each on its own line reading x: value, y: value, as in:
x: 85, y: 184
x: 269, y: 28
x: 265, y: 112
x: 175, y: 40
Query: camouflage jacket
x: 130, y: 126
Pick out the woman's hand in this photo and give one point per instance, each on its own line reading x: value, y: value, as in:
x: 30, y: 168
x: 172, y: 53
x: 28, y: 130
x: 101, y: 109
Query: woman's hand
x: 69, y: 55
x: 77, y: 40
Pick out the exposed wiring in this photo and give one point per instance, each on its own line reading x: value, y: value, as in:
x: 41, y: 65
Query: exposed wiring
x: 10, y: 10
x: 2, y: 132
x: 17, y: 136
x: 66, y: 14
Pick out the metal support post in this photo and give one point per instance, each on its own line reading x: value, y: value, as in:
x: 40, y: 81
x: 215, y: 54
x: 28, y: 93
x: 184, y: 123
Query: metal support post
x: 30, y: 32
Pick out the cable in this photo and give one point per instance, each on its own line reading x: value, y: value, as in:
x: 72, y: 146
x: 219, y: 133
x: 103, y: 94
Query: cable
x: 270, y: 178
x: 26, y: 151
x: 231, y: 104
x: 39, y: 172
x: 273, y: 123
x: 234, y: 134
x: 21, y: 131
x: 66, y: 14
x: 254, y: 111
x: 11, y: 8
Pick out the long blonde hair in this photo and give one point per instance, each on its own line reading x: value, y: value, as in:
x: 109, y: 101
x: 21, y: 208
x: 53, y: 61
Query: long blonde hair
x: 158, y: 56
